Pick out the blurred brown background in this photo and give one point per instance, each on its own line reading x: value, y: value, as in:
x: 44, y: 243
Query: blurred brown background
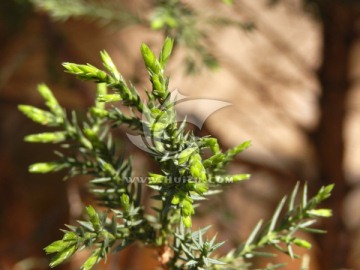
x: 294, y: 87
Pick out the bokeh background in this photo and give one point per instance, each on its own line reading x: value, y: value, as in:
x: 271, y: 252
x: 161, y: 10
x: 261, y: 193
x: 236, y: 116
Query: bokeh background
x: 289, y: 68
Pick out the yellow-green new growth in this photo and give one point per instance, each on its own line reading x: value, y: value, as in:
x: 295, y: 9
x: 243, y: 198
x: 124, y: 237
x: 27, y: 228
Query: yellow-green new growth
x: 190, y: 169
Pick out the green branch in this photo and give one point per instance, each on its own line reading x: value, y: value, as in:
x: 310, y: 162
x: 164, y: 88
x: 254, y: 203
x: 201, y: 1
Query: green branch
x: 190, y: 169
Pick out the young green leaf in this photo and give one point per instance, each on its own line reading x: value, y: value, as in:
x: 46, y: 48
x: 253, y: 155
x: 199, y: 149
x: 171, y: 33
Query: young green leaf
x: 51, y: 101
x: 40, y: 116
x: 166, y: 51
x: 62, y: 256
x: 46, y: 167
x: 47, y: 137
x: 150, y: 60
x: 109, y: 65
x: 91, y: 261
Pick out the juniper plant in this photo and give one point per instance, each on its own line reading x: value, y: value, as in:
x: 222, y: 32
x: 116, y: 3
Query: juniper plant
x: 188, y: 25
x: 191, y: 168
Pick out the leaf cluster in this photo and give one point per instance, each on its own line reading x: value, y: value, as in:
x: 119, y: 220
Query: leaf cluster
x: 191, y: 169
